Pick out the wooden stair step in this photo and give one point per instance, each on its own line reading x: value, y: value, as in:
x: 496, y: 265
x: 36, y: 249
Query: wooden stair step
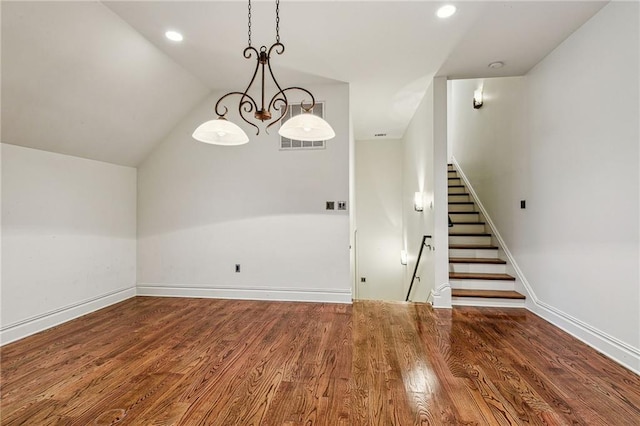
x: 473, y: 247
x: 469, y: 223
x: 491, y: 294
x: 480, y: 276
x: 488, y: 260
x: 456, y: 186
x: 468, y: 234
x: 460, y: 202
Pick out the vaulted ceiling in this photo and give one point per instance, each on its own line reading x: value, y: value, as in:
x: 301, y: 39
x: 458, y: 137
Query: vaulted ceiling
x: 99, y: 79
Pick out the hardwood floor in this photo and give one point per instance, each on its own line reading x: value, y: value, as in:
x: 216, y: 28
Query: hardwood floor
x: 169, y: 361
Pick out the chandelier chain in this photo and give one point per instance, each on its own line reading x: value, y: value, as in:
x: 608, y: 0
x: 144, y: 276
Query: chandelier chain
x: 277, y: 21
x: 249, y: 25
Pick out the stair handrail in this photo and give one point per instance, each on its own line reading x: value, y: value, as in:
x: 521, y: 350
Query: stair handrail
x: 415, y: 270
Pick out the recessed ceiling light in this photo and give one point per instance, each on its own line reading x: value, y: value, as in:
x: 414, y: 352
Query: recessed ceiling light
x: 496, y: 64
x: 446, y: 11
x: 173, y: 36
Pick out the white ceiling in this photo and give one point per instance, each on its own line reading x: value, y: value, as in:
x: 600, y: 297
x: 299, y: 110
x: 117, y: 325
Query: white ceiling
x: 99, y: 80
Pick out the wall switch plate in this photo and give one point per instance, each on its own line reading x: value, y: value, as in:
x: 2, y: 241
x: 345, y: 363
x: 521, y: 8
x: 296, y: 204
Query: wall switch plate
x: 331, y: 205
x: 342, y: 205
x: 237, y: 267
x: 523, y: 204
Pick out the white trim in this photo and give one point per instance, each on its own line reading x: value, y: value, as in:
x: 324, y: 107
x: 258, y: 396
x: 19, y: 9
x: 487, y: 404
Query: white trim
x: 488, y: 302
x: 21, y: 329
x: 248, y: 293
x: 441, y: 297
x: 617, y: 350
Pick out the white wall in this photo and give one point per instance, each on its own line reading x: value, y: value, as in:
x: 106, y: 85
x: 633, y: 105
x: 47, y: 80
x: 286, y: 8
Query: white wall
x: 68, y: 238
x: 418, y: 177
x: 204, y: 208
x: 576, y: 164
x: 489, y: 145
x: 424, y: 170
x: 379, y: 219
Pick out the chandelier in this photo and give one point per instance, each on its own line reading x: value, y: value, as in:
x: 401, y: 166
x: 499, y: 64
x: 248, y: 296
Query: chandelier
x: 305, y: 127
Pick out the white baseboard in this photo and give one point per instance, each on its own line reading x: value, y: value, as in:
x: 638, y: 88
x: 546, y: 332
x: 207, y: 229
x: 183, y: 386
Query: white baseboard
x: 21, y: 329
x: 248, y: 293
x: 621, y: 352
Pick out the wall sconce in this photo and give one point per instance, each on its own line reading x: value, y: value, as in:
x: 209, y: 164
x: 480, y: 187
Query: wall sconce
x: 403, y: 257
x: 418, y: 201
x: 477, y: 99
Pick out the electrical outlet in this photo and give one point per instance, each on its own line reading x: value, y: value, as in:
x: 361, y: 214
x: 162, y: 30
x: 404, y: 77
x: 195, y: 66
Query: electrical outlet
x: 342, y: 205
x: 363, y: 280
x: 523, y: 204
x: 331, y: 205
x: 237, y: 267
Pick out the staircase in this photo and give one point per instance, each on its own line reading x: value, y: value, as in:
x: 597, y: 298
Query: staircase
x: 478, y: 277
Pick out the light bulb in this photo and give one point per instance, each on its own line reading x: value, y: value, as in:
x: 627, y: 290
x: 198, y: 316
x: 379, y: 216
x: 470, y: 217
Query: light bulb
x: 446, y: 11
x: 174, y: 36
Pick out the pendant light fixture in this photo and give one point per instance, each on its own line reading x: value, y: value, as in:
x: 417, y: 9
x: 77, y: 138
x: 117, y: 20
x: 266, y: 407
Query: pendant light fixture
x: 305, y: 127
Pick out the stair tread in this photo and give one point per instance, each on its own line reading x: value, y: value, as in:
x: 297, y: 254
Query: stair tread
x: 480, y: 276
x: 461, y: 202
x: 491, y: 260
x: 468, y: 234
x: 493, y: 294
x: 473, y: 246
x: 469, y: 223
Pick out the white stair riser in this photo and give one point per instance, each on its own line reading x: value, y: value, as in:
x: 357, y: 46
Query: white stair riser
x: 469, y: 240
x: 482, y: 284
x: 484, y: 268
x: 461, y: 208
x: 457, y: 190
x: 473, y: 253
x: 476, y: 227
x: 455, y: 181
x: 462, y: 217
x: 452, y: 173
x: 458, y: 197
x: 480, y: 301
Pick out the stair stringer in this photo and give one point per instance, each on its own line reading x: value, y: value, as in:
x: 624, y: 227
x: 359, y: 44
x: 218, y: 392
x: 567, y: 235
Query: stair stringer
x: 619, y: 351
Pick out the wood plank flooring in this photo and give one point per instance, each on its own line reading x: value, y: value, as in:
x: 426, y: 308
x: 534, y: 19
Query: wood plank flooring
x: 175, y: 361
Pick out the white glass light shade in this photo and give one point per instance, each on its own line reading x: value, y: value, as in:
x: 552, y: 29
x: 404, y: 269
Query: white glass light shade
x: 306, y: 127
x: 477, y: 98
x: 418, y: 201
x: 220, y: 132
